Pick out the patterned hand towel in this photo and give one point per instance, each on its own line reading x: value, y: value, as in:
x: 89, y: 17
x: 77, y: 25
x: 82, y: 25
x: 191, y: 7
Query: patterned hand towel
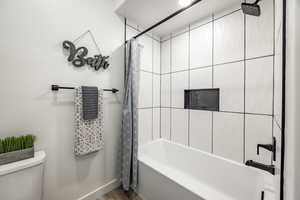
x: 88, y: 133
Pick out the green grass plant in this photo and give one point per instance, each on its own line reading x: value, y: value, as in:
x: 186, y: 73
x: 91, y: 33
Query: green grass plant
x: 10, y: 144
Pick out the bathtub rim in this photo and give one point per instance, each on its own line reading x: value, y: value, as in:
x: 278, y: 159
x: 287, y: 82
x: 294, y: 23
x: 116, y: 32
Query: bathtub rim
x: 243, y: 165
x: 150, y: 163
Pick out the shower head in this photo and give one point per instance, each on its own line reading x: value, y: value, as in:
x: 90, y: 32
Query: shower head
x: 251, y: 8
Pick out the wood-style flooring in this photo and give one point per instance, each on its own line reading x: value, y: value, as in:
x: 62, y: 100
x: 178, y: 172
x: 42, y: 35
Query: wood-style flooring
x: 119, y: 194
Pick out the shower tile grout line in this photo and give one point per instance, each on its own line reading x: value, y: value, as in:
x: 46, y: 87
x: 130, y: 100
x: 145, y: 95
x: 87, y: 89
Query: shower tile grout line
x: 160, y: 77
x: 216, y: 65
x: 171, y: 87
x: 152, y: 42
x: 244, y: 115
x: 142, y: 70
x: 212, y: 71
x: 221, y: 111
x: 189, y: 84
x: 148, y: 107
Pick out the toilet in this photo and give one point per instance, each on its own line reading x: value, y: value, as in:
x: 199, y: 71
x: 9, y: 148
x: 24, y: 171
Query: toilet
x: 23, y: 180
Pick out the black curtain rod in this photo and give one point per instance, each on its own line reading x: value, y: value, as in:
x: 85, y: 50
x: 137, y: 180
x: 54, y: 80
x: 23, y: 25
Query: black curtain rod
x: 57, y: 87
x: 167, y: 18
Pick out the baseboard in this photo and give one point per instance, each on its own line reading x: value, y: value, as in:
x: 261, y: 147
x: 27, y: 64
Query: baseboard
x: 97, y: 193
x: 141, y: 196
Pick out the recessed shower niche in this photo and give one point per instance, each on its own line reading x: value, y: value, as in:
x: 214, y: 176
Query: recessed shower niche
x: 202, y: 99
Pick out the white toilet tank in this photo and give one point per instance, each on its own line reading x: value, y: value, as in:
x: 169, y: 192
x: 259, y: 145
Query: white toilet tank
x: 23, y: 180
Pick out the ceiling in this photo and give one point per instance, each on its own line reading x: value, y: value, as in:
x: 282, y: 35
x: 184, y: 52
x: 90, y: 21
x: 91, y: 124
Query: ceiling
x: 148, y: 12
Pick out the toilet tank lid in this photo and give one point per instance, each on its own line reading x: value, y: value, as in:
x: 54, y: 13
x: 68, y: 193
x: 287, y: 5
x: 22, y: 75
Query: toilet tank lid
x: 39, y: 158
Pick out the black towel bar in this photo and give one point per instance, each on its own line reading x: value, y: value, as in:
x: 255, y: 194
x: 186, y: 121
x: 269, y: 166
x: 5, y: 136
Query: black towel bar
x: 57, y: 87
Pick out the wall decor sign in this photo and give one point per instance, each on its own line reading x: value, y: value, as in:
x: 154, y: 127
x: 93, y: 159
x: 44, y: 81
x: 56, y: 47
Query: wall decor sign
x: 79, y: 56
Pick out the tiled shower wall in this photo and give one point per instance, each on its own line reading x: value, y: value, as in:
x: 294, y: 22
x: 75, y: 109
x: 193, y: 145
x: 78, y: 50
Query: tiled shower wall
x: 235, y: 53
x: 239, y: 54
x: 149, y: 84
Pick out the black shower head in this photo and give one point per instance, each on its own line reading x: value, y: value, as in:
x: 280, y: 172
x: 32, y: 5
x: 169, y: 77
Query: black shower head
x: 251, y: 8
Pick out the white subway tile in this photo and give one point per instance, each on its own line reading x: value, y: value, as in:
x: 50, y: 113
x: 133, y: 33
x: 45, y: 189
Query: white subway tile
x: 165, y: 123
x: 201, y: 130
x: 229, y: 38
x: 180, y: 52
x: 165, y: 57
x: 230, y: 79
x: 228, y: 135
x: 259, y: 85
x: 156, y: 56
x: 179, y: 131
x: 166, y: 90
x: 179, y: 82
x: 145, y: 126
x: 201, y: 46
x: 146, y: 53
x: 145, y: 90
x: 156, y: 123
x: 201, y: 78
x: 259, y: 31
x: 156, y: 90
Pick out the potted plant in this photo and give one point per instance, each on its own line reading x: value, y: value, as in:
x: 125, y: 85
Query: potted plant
x: 14, y: 149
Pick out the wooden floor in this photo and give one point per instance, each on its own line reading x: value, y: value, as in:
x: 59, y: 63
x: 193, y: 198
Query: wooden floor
x: 119, y: 194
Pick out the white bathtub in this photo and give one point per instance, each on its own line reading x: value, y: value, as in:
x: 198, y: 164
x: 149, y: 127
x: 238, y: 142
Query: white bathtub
x: 168, y: 171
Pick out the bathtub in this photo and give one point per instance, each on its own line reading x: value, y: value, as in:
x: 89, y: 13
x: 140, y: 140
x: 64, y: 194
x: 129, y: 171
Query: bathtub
x: 169, y: 171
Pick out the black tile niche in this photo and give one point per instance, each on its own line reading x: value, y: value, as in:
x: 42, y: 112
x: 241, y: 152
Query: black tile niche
x: 202, y: 99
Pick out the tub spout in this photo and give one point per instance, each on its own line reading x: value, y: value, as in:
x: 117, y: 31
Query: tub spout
x: 268, y: 168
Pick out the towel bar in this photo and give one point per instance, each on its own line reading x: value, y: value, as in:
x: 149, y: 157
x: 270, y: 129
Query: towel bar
x: 57, y: 87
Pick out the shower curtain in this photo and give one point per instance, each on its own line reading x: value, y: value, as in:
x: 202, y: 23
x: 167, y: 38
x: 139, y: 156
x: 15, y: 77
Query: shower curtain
x: 130, y: 117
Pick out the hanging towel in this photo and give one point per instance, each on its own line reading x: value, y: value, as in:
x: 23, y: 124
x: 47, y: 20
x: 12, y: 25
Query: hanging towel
x: 88, y: 133
x: 89, y: 102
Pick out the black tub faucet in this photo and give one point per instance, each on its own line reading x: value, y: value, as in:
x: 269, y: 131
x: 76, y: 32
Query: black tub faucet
x: 268, y: 168
x: 269, y: 147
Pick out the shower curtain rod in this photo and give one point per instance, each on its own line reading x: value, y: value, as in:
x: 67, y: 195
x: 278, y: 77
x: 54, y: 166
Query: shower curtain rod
x: 167, y: 18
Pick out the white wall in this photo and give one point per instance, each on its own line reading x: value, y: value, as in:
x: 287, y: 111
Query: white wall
x: 233, y: 52
x: 32, y: 59
x: 292, y: 169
